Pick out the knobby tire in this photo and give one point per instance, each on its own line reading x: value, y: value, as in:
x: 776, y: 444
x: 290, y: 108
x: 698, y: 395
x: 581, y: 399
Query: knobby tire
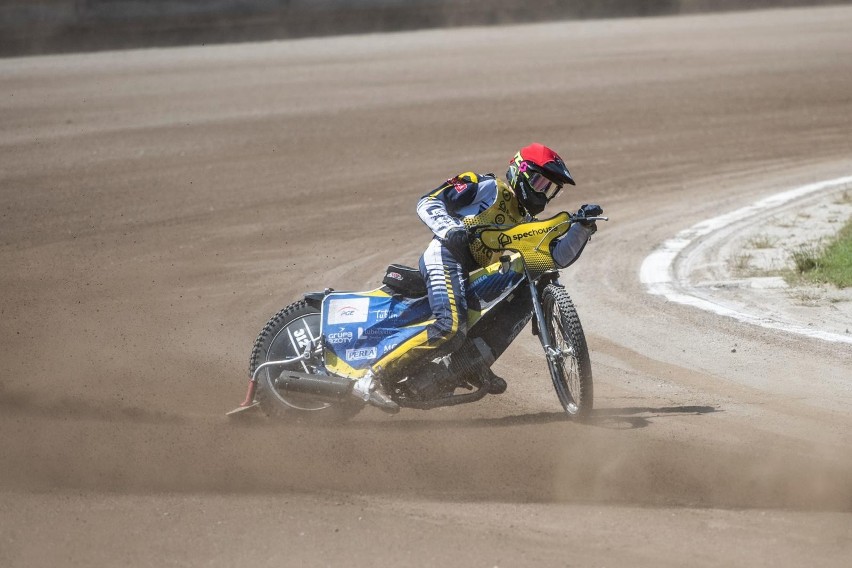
x: 572, y: 379
x: 279, y: 339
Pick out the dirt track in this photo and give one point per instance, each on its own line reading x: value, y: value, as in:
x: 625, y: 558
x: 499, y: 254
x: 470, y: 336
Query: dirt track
x: 158, y: 206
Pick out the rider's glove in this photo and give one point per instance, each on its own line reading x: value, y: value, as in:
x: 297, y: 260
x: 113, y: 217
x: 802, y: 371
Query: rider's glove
x: 457, y: 242
x: 589, y: 210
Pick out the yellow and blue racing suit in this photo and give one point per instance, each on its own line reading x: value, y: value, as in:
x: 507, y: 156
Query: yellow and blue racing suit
x: 467, y: 199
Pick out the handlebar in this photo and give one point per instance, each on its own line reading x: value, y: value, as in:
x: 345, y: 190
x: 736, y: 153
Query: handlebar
x: 572, y: 217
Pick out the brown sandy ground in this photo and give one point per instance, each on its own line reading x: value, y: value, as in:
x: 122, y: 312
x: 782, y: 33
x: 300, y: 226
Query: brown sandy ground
x: 157, y: 206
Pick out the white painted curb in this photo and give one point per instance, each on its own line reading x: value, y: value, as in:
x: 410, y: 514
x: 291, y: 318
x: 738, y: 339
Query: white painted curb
x: 658, y: 275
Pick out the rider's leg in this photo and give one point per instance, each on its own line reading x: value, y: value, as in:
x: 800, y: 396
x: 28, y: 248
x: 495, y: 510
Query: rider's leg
x: 445, y: 281
x: 445, y: 284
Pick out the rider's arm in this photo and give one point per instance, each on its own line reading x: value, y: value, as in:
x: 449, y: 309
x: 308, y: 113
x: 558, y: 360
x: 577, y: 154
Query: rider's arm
x: 437, y: 209
x: 568, y: 249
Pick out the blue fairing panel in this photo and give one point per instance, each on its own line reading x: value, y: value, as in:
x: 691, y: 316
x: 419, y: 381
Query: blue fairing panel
x: 358, y: 328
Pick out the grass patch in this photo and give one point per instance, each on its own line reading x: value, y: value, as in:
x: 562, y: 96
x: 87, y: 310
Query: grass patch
x: 806, y: 297
x: 741, y: 263
x: 761, y: 242
x: 806, y: 258
x: 831, y: 264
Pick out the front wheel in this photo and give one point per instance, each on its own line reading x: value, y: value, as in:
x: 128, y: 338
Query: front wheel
x: 571, y: 368
x: 285, y: 336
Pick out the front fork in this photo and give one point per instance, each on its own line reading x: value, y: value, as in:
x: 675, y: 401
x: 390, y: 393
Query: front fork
x: 554, y: 357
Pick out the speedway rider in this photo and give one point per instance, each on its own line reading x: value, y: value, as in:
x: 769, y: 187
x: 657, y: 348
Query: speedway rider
x: 535, y: 176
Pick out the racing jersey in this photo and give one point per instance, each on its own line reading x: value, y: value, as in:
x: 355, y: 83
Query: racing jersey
x: 470, y: 199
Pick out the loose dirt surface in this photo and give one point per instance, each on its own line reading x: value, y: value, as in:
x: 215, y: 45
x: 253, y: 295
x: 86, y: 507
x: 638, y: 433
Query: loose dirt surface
x: 158, y: 206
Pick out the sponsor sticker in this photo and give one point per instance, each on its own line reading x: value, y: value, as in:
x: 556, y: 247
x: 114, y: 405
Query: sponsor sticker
x: 361, y: 353
x: 459, y: 184
x: 379, y: 331
x: 532, y: 233
x: 338, y: 337
x: 349, y: 310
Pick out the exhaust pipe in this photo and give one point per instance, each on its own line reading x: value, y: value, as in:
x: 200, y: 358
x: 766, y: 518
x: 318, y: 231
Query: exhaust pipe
x: 327, y: 387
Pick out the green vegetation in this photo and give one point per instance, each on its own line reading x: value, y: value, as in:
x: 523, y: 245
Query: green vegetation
x: 829, y: 265
x: 806, y: 258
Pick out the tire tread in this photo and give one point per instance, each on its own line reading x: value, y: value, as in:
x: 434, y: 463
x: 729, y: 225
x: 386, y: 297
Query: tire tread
x: 577, y: 338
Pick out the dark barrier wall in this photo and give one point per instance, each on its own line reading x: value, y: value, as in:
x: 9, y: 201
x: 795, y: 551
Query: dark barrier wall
x: 46, y: 26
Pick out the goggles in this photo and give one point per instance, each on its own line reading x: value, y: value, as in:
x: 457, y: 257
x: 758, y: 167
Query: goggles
x: 542, y: 185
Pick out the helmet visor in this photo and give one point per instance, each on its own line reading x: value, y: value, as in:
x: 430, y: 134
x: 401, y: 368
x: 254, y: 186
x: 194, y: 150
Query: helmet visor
x: 542, y: 185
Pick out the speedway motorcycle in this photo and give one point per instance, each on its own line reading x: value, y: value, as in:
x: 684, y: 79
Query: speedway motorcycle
x: 309, y: 355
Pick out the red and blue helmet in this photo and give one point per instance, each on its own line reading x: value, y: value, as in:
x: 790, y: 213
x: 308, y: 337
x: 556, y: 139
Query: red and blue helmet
x: 537, y: 174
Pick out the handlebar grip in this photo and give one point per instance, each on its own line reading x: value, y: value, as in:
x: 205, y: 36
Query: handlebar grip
x: 576, y: 218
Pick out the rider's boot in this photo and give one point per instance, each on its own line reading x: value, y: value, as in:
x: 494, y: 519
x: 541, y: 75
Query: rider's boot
x: 369, y: 389
x: 496, y: 385
x: 436, y: 379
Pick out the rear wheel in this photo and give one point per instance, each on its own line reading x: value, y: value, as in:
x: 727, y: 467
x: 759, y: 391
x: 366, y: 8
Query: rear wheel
x: 571, y: 370
x: 285, y: 336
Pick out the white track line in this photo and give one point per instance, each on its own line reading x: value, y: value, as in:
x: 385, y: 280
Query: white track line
x: 658, y: 274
